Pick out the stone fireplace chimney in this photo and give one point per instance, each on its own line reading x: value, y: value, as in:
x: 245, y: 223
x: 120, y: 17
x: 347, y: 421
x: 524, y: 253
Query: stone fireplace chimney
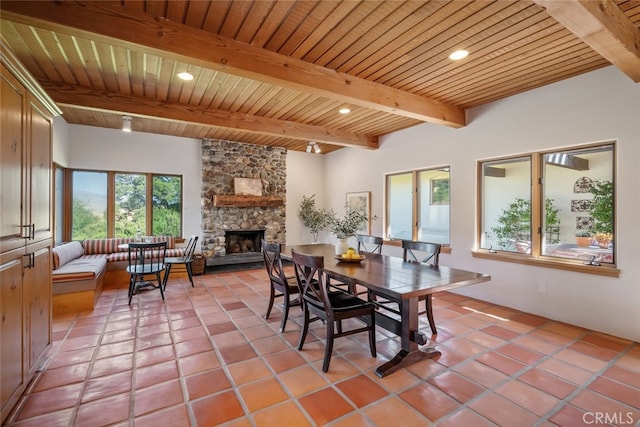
x: 222, y: 161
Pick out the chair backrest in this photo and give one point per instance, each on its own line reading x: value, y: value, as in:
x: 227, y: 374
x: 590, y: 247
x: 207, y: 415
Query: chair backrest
x: 432, y: 251
x: 191, y: 247
x: 273, y: 263
x: 311, y: 280
x: 145, y: 258
x: 369, y: 244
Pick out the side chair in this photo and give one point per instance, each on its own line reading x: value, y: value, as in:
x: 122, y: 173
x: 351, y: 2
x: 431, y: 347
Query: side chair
x: 431, y: 258
x: 186, y: 259
x: 281, y: 285
x: 369, y: 244
x: 331, y: 307
x: 145, y: 259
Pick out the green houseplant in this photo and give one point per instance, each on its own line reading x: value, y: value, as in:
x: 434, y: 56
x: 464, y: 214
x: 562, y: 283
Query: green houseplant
x: 347, y: 226
x: 515, y: 222
x: 602, y: 211
x: 313, y: 218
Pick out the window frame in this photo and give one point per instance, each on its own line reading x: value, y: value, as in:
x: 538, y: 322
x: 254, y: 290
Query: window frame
x: 415, y: 203
x: 535, y: 257
x: 111, y: 200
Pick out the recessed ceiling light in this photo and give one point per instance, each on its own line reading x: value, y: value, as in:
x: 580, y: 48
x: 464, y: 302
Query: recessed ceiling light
x: 458, y: 54
x: 185, y: 75
x: 344, y: 111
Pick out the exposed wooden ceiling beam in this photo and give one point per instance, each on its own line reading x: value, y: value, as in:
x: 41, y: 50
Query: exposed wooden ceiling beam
x: 92, y: 99
x: 603, y: 26
x: 186, y: 43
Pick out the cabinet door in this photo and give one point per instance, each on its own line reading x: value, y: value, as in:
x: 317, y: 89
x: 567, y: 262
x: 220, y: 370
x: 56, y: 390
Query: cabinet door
x: 37, y: 298
x: 12, y: 179
x: 11, y: 328
x: 39, y: 164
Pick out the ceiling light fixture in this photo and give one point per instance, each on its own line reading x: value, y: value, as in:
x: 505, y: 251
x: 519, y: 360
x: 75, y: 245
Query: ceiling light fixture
x: 185, y: 75
x: 126, y: 123
x: 344, y: 111
x: 458, y: 54
x: 313, y: 146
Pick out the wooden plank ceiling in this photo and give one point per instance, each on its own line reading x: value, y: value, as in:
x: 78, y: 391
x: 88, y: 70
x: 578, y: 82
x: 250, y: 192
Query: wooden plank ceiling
x: 276, y: 72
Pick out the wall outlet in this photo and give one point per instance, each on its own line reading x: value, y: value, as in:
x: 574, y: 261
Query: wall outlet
x: 542, y: 288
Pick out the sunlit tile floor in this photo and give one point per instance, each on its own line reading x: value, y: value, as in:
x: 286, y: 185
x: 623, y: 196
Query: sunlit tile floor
x: 206, y: 356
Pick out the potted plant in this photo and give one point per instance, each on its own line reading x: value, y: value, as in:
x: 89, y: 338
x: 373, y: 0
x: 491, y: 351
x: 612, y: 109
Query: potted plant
x: 346, y: 226
x: 313, y: 218
x: 602, y: 211
x: 583, y: 238
x: 515, y: 222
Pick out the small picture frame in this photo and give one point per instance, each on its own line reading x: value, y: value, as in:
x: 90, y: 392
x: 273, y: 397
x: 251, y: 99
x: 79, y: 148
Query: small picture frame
x: 247, y: 187
x: 361, y: 201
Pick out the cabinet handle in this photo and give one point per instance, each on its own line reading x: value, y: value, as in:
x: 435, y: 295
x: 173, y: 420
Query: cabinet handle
x: 30, y: 261
x: 26, y: 231
x: 33, y: 231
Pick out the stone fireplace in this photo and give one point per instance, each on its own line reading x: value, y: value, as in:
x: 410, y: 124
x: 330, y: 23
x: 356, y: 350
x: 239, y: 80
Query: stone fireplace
x: 233, y: 226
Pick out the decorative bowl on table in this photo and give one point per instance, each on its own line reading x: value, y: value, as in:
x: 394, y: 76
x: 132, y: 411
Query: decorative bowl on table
x: 352, y: 258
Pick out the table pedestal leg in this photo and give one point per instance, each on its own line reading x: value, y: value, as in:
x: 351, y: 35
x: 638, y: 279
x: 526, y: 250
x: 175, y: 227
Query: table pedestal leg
x: 404, y: 359
x: 410, y: 337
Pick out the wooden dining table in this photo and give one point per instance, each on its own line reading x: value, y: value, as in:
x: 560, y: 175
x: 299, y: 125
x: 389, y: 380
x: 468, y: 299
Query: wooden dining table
x: 396, y: 280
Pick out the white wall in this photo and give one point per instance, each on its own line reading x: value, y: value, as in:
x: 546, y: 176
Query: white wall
x: 110, y: 149
x: 61, y: 141
x: 305, y: 177
x: 598, y: 106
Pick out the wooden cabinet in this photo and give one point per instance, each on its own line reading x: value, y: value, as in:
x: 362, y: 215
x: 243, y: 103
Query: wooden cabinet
x: 26, y: 228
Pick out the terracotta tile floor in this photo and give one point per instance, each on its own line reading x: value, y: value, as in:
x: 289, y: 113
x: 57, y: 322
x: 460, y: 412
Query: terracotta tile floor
x: 206, y: 356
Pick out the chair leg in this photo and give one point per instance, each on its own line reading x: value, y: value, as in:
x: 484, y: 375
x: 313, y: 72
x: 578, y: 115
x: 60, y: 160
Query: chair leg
x: 272, y: 297
x: 190, y: 273
x: 305, y: 329
x: 432, y: 322
x: 166, y: 276
x: 285, y: 312
x: 328, y: 349
x: 132, y: 286
x: 160, y: 285
x: 372, y: 336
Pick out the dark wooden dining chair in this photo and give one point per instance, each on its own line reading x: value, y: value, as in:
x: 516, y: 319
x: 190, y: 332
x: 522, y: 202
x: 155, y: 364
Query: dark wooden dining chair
x: 281, y: 285
x: 369, y: 244
x: 186, y: 259
x: 146, y: 259
x: 429, y: 255
x: 332, y: 307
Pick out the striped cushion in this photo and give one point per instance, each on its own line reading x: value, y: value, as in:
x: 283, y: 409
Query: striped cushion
x: 124, y: 256
x: 64, y: 253
x: 110, y: 246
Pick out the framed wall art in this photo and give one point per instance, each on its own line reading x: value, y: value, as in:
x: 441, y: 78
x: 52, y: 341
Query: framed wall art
x: 361, y: 201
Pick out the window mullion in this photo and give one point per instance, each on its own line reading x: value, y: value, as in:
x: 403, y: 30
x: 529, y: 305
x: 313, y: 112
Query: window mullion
x: 536, y: 205
x: 111, y: 204
x: 415, y: 200
x: 149, y: 205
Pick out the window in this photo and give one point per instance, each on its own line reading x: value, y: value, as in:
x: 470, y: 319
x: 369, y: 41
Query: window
x: 114, y: 204
x: 89, y: 205
x: 539, y: 205
x: 418, y: 205
x: 167, y: 205
x: 130, y: 207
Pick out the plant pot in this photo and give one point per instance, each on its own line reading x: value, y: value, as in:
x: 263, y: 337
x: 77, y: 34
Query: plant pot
x: 341, y: 246
x: 604, y: 243
x: 583, y: 242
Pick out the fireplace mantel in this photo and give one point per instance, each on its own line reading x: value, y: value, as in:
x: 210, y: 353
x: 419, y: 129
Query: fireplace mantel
x: 233, y: 201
